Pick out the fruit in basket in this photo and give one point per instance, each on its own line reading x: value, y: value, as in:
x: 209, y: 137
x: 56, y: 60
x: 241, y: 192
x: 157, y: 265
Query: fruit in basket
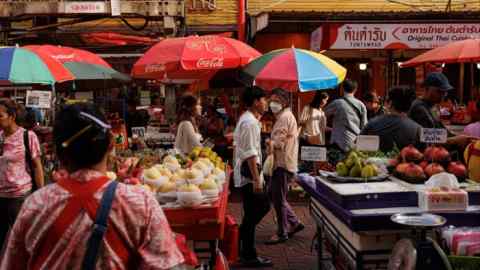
x: 164, y: 171
x: 342, y: 169
x: 189, y: 188
x: 402, y: 168
x: 151, y: 174
x: 352, y: 158
x: 437, y: 154
x: 209, y: 183
x: 423, y: 164
x: 414, y: 171
x: 146, y: 187
x: 411, y: 154
x: 369, y: 170
x: 356, y: 170
x: 191, y: 174
x: 433, y: 169
x: 169, y: 186
x: 457, y: 169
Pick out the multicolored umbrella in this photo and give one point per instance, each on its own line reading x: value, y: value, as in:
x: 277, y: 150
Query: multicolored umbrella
x: 22, y: 66
x: 82, y: 64
x: 188, y: 59
x: 293, y: 70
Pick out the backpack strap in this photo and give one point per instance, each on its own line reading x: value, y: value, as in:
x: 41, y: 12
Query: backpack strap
x: 99, y: 227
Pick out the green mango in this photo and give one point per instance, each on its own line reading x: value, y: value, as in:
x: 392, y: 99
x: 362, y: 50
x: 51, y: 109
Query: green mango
x: 342, y: 169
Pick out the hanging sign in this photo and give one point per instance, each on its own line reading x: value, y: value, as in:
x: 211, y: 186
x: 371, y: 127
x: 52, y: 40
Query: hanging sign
x: 433, y: 135
x: 368, y: 143
x: 38, y: 99
x: 138, y: 132
x: 392, y: 36
x: 87, y: 7
x: 116, y: 7
x: 313, y: 153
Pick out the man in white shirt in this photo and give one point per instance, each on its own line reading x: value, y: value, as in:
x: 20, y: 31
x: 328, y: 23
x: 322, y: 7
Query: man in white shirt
x: 249, y: 178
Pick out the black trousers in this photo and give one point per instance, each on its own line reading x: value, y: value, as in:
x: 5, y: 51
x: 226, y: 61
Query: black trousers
x: 9, y: 207
x: 255, y: 207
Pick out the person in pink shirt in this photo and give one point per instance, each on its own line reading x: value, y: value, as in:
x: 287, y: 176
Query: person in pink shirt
x: 474, y: 128
x: 15, y: 174
x: 86, y: 220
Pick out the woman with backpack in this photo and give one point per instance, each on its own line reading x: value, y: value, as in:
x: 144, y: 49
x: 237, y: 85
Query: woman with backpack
x: 85, y: 220
x: 21, y: 168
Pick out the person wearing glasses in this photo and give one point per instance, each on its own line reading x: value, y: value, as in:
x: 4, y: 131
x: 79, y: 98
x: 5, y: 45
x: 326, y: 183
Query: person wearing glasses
x: 17, y: 166
x: 85, y: 220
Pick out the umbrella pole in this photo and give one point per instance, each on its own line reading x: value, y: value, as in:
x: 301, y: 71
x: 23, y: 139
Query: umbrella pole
x: 461, y: 82
x: 54, y: 95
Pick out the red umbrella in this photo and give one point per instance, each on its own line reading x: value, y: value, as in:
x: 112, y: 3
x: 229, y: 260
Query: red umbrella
x: 68, y: 54
x: 464, y: 51
x: 192, y: 58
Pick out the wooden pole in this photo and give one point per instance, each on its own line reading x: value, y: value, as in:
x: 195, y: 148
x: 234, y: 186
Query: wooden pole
x: 461, y: 82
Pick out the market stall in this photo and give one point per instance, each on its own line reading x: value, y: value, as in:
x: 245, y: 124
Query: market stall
x: 353, y: 207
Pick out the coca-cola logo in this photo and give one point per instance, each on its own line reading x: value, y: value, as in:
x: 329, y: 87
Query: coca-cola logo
x: 155, y: 68
x: 64, y: 56
x: 210, y: 63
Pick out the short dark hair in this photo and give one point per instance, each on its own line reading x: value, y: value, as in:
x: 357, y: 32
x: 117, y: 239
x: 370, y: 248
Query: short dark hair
x: 401, y: 97
x: 87, y: 149
x: 350, y: 86
x: 14, y: 109
x: 318, y: 98
x: 251, y: 95
x: 370, y: 97
x: 186, y: 108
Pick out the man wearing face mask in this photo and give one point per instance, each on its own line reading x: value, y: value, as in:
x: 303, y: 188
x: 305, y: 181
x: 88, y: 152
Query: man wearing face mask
x: 284, y: 146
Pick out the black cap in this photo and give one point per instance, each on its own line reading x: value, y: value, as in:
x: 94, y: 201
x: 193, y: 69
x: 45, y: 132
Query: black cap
x: 437, y: 79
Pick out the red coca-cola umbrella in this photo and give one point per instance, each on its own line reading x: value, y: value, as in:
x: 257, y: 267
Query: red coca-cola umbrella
x: 465, y: 51
x: 193, y: 58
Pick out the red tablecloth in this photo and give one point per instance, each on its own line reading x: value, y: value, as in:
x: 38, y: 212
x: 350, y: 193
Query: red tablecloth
x: 201, y: 223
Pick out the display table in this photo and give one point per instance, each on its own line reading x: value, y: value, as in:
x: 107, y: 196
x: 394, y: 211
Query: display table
x: 202, y: 223
x: 362, y: 234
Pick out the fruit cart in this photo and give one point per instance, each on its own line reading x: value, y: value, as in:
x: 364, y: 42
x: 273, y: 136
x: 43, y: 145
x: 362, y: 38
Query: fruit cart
x: 204, y: 223
x: 353, y: 220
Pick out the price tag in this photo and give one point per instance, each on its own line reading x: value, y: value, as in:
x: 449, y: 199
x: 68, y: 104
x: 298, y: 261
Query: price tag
x: 368, y: 143
x: 313, y: 153
x: 39, y: 99
x: 433, y: 135
x: 138, y: 132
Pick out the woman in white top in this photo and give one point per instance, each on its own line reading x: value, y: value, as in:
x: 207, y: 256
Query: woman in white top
x: 188, y: 135
x: 313, y: 121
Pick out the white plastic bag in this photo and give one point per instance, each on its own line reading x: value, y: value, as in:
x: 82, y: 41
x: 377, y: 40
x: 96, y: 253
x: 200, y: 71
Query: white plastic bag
x: 268, y: 166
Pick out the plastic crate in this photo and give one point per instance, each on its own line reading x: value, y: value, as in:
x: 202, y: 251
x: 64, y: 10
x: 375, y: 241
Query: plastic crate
x: 464, y: 262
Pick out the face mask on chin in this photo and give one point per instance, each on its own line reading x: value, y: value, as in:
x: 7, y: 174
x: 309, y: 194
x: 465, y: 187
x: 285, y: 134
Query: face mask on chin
x: 275, y: 107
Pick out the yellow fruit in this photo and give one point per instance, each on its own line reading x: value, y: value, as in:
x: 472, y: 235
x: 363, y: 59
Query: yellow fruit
x: 209, y: 183
x: 472, y: 159
x: 356, y: 170
x: 167, y: 187
x: 369, y: 171
x: 189, y: 188
x: 342, y: 169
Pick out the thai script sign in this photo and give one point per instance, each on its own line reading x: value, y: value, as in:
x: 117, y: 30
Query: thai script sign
x: 392, y: 36
x: 433, y: 135
x: 85, y: 7
x: 202, y: 5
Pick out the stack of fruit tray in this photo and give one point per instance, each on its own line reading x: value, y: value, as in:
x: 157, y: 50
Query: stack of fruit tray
x: 367, y: 195
x: 355, y: 168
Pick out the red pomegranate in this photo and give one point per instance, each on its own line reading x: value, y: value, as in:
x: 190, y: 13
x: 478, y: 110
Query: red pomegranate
x: 410, y: 153
x: 433, y: 169
x: 414, y: 171
x: 428, y: 153
x: 402, y: 168
x: 393, y: 162
x: 441, y: 155
x: 423, y: 164
x: 457, y: 169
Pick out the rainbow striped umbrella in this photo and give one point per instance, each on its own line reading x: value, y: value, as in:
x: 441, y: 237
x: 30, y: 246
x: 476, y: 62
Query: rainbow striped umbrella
x: 22, y: 66
x: 293, y: 70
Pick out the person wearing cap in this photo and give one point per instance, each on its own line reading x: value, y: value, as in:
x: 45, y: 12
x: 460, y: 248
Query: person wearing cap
x: 284, y: 146
x: 436, y: 86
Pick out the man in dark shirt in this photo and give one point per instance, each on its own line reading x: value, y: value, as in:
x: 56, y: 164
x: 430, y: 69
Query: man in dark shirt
x: 373, y: 104
x: 395, y: 128
x: 436, y: 87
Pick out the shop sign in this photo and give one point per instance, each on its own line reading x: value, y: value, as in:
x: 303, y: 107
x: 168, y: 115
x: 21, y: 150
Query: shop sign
x: 116, y: 7
x: 392, y: 36
x: 368, y: 143
x: 313, y: 153
x: 85, y: 7
x: 433, y: 135
x: 38, y: 99
x: 202, y: 5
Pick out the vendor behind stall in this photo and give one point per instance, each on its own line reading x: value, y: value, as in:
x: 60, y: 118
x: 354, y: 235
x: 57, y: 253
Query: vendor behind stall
x: 395, y: 128
x: 188, y: 135
x: 134, y: 117
x: 436, y: 88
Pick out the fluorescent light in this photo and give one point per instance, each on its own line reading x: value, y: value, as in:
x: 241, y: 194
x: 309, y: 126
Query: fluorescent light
x: 362, y: 66
x: 478, y: 65
x: 443, y: 65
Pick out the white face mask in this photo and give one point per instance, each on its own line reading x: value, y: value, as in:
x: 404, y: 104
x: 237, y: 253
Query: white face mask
x: 275, y: 107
